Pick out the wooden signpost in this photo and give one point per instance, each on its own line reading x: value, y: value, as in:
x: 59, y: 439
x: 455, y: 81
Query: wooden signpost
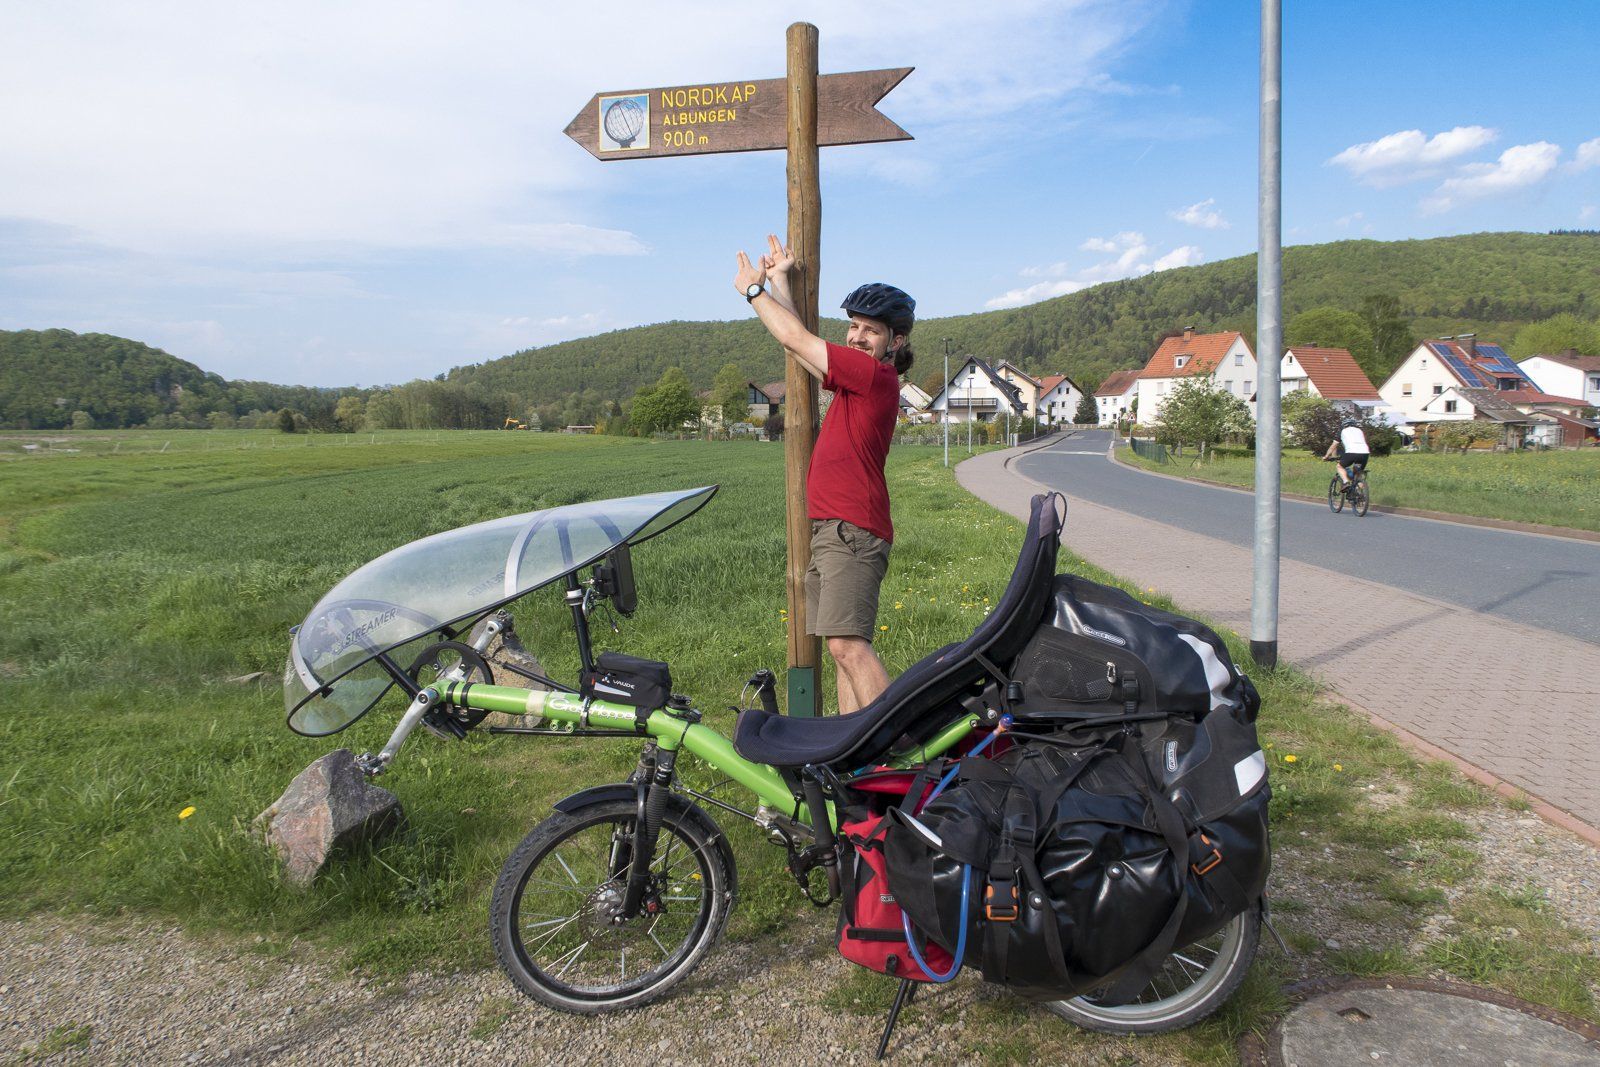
x: 799, y: 112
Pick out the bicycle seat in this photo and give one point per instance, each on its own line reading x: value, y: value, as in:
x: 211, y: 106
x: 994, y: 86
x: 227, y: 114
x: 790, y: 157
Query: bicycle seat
x: 929, y: 686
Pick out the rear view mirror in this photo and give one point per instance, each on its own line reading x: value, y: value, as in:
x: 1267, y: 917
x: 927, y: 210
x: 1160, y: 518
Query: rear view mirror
x: 614, y: 580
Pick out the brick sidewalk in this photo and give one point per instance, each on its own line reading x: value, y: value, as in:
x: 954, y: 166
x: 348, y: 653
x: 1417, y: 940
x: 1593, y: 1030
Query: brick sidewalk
x: 1521, y: 703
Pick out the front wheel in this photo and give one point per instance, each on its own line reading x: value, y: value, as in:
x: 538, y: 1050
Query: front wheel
x: 1192, y: 983
x: 1335, y: 495
x: 556, y: 914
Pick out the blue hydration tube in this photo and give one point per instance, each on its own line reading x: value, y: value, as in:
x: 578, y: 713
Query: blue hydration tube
x: 966, y: 883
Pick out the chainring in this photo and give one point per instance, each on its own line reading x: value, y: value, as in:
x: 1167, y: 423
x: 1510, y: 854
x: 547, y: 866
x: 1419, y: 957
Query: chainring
x: 442, y: 657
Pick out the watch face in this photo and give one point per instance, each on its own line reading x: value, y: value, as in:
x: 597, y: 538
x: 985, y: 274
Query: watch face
x: 753, y: 291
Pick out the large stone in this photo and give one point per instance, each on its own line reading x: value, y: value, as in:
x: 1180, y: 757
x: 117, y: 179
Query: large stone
x: 330, y: 805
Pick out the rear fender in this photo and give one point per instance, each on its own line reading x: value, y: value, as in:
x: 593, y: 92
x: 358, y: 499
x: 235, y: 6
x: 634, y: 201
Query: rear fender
x: 604, y: 794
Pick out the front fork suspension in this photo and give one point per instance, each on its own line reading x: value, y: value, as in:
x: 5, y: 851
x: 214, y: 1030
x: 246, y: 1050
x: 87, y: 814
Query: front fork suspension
x: 654, y: 785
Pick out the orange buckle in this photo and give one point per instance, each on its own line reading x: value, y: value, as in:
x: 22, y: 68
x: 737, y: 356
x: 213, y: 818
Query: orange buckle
x: 1003, y: 912
x: 1211, y: 862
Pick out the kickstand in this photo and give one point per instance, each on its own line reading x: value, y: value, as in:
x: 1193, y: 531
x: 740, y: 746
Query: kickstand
x: 902, y: 997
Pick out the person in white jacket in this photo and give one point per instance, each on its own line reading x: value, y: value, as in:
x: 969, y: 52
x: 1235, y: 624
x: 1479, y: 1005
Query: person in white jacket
x: 1349, y: 448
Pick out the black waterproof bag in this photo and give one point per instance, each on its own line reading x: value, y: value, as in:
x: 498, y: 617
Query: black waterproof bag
x: 1090, y: 864
x: 646, y: 684
x: 1098, y: 649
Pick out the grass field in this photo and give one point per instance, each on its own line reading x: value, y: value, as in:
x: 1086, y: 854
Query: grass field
x: 135, y: 581
x: 1553, y: 488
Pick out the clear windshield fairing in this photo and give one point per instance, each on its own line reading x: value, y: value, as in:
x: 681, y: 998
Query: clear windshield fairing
x: 429, y: 587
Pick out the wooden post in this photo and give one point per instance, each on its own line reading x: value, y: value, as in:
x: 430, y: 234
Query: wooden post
x: 800, y: 424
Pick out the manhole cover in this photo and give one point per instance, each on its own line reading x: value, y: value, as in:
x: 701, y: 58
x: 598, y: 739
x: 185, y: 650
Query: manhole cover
x: 1424, y: 1024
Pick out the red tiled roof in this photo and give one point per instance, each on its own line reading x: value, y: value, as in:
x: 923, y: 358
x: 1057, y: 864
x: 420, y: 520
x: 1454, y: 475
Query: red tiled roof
x: 1534, y: 396
x: 1049, y: 382
x: 1204, y: 349
x: 1335, y: 373
x: 1119, y: 382
x: 776, y: 390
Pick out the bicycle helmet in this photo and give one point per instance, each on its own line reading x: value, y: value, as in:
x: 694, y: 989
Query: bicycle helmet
x: 885, y: 303
x: 1349, y: 424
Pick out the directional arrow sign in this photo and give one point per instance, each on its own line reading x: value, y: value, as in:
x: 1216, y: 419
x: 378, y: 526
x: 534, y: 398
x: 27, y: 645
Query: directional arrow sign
x: 752, y: 116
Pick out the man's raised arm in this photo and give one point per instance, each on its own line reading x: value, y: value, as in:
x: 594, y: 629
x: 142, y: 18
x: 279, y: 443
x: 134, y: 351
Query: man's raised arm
x: 775, y: 307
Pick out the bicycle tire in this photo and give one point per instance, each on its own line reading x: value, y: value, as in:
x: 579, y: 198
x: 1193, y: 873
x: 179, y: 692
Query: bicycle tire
x: 1360, y: 498
x: 1195, y: 987
x: 538, y: 942
x: 1335, y: 496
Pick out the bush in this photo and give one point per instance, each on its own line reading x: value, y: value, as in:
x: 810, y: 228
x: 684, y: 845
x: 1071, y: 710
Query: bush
x: 775, y: 427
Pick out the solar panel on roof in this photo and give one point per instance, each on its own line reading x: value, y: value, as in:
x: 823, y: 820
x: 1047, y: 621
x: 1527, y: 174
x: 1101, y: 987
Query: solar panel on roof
x: 1457, y: 364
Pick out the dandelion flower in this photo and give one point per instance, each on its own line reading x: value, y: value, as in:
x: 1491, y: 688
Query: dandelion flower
x: 1290, y: 758
x: 898, y: 606
x: 883, y: 627
x: 186, y: 812
x: 1338, y: 766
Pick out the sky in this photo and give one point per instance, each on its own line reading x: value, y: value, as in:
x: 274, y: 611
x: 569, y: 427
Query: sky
x: 364, y: 193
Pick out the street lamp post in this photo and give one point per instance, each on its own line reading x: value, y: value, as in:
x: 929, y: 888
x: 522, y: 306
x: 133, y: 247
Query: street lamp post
x: 946, y: 418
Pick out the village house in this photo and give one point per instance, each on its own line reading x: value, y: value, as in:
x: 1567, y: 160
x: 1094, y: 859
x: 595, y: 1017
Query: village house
x: 976, y: 392
x: 1441, y: 363
x: 1331, y: 373
x: 914, y: 402
x: 1566, y: 374
x: 1115, y: 396
x: 1225, y: 356
x: 1528, y: 417
x: 1058, y: 401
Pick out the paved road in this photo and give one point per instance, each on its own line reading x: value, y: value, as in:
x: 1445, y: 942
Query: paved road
x: 1545, y: 582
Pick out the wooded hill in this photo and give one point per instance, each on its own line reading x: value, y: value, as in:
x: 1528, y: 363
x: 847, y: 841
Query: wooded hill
x: 1492, y: 284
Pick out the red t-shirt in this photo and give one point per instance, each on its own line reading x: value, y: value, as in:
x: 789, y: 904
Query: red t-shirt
x: 845, y: 480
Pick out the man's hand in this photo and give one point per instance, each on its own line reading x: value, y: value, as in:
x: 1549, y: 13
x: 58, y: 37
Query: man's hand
x: 749, y: 274
x: 778, y: 260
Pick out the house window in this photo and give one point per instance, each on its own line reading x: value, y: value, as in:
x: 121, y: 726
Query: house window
x: 1238, y: 359
x: 1228, y: 384
x: 1247, y: 388
x: 1449, y: 407
x: 1438, y: 389
x: 1405, y: 388
x: 1594, y: 383
x: 1180, y: 361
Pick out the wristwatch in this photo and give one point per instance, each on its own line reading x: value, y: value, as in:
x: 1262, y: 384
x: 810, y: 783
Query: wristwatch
x: 753, y: 290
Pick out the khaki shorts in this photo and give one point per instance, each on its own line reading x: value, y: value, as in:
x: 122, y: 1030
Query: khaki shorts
x: 847, y: 567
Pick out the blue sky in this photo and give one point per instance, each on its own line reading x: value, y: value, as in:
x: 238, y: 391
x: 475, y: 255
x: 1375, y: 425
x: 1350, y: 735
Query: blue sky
x: 370, y: 192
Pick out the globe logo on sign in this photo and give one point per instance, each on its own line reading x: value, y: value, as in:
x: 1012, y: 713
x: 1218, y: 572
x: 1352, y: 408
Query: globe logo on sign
x: 624, y: 121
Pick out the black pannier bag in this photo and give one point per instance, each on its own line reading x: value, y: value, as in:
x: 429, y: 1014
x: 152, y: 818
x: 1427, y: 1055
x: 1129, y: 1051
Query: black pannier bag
x: 1138, y: 826
x: 1098, y: 648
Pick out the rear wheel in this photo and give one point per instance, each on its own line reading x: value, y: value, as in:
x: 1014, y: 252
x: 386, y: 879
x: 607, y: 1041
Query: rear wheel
x: 1191, y: 984
x: 1360, y: 498
x: 1335, y: 495
x: 556, y: 914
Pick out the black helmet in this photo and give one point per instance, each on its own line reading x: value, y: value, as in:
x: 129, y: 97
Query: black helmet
x: 885, y: 303
x: 1348, y: 424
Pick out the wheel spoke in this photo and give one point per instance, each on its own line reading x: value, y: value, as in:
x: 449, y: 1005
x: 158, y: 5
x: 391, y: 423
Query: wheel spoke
x: 571, y: 958
x: 564, y: 867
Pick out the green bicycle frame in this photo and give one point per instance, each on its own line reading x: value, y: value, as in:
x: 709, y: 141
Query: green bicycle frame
x: 672, y: 732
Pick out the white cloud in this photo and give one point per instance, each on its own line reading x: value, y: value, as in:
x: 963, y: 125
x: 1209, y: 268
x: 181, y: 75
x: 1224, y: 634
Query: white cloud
x: 1587, y: 155
x: 1131, y: 257
x: 1517, y: 168
x: 1203, y: 215
x: 1345, y: 221
x: 1410, y: 154
x: 1587, y: 212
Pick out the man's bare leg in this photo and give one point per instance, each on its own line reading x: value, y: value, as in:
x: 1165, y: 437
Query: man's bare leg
x: 860, y: 673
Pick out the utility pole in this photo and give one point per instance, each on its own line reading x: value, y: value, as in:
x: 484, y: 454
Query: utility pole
x: 1269, y: 342
x: 946, y: 417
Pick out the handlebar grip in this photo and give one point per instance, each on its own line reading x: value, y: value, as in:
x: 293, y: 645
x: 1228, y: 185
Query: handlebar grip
x: 766, y: 684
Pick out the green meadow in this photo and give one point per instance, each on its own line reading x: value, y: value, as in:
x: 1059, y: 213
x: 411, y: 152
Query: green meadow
x: 135, y: 581
x: 1556, y: 488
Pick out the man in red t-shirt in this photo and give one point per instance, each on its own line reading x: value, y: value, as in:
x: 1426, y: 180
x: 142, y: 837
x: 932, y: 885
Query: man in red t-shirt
x: 847, y: 498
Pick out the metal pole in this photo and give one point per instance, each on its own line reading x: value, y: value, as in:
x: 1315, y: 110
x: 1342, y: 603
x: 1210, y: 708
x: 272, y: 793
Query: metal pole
x: 969, y: 411
x: 945, y: 419
x: 1269, y: 342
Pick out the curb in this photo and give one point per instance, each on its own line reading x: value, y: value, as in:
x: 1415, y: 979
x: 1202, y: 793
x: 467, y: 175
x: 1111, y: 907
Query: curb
x: 1417, y: 744
x: 1567, y: 533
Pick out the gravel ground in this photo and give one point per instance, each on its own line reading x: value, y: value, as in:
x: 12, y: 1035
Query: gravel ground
x: 85, y: 989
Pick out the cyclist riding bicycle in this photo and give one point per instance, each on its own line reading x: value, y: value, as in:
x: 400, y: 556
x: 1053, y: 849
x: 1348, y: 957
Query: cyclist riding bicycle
x: 1349, y: 449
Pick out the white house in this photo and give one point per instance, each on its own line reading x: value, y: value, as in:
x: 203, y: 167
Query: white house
x: 914, y: 402
x: 1027, y: 385
x: 1058, y: 401
x: 1226, y: 356
x: 1436, y: 365
x: 977, y: 392
x: 1115, y: 396
x: 1566, y: 374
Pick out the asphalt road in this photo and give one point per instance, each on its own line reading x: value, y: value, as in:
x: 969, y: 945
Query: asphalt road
x: 1541, y: 581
